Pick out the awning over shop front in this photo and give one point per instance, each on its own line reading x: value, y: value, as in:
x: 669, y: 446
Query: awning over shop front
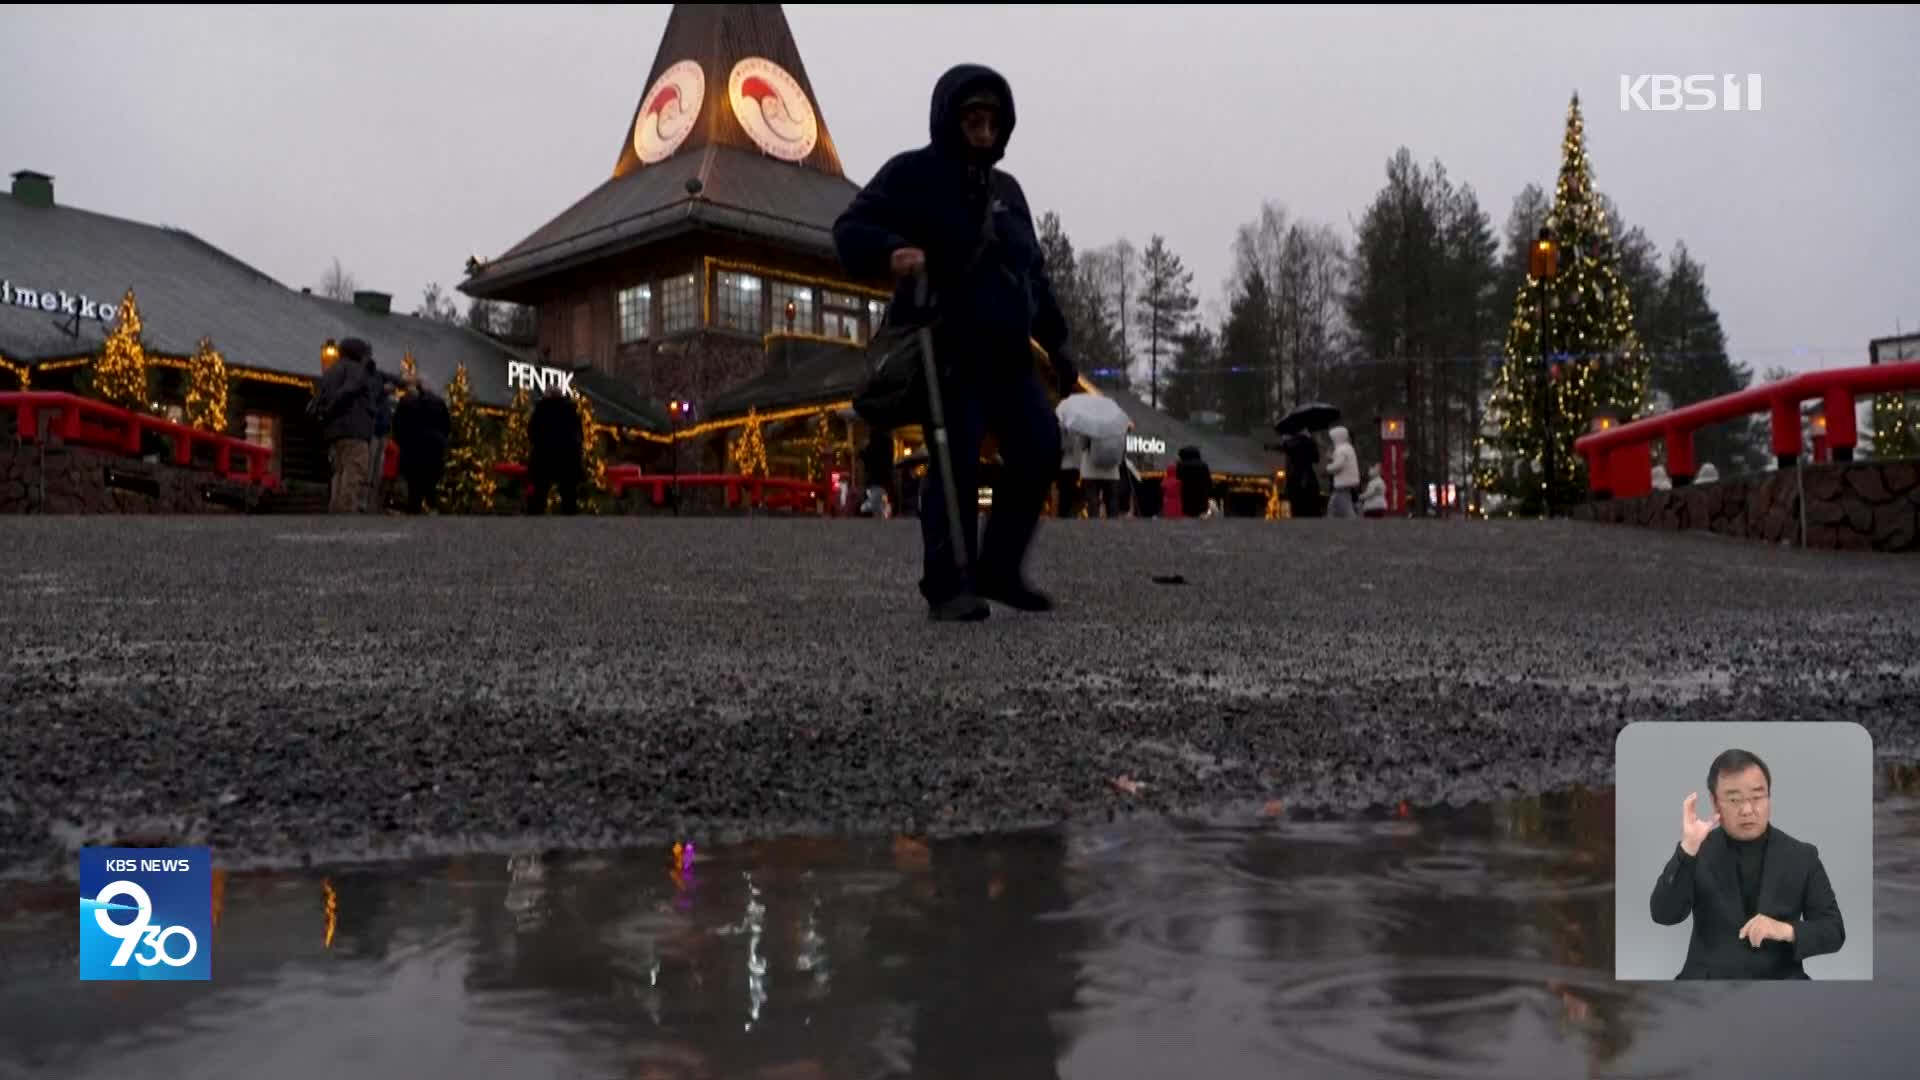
x: 1154, y: 446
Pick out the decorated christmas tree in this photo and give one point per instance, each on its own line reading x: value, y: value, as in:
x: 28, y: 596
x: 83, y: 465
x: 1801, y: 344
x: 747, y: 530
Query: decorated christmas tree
x: 749, y: 452
x: 508, y: 492
x: 1896, y: 426
x: 593, y: 471
x: 1582, y: 360
x: 468, y: 485
x: 119, y: 372
x: 207, y: 389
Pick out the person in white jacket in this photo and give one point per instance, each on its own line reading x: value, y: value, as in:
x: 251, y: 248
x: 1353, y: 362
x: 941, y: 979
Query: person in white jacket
x: 1373, y: 498
x: 1343, y: 472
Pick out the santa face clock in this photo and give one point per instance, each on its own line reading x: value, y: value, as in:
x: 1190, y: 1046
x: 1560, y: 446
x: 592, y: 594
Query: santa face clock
x: 672, y: 106
x: 769, y: 104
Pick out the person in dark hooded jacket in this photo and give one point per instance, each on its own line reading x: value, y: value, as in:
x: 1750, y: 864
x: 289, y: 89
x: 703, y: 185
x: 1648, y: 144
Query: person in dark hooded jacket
x: 1196, y: 483
x: 557, y: 446
x: 944, y: 210
x: 343, y: 406
x: 1303, y: 484
x: 422, y: 427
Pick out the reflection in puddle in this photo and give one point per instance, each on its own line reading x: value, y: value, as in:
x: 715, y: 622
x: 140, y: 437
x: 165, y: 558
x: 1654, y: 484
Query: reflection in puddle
x: 1474, y: 942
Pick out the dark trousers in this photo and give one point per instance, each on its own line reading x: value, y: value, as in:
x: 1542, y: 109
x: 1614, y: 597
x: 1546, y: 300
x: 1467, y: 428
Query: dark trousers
x: 546, y: 480
x: 1013, y: 406
x: 423, y: 482
x: 1103, y: 497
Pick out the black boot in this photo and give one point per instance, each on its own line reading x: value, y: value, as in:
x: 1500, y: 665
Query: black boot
x: 1015, y: 593
x: 960, y: 607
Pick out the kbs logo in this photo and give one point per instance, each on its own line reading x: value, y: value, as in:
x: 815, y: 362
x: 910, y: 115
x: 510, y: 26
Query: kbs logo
x: 146, y: 913
x: 668, y: 112
x: 1689, y: 93
x: 771, y: 107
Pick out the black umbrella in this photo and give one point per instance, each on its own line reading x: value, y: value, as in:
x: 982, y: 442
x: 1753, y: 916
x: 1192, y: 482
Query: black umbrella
x: 1313, y: 416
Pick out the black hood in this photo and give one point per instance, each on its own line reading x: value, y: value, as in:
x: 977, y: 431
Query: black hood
x: 953, y: 89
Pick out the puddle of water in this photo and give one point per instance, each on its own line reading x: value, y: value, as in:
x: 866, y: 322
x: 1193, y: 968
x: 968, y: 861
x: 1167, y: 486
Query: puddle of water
x: 1473, y: 942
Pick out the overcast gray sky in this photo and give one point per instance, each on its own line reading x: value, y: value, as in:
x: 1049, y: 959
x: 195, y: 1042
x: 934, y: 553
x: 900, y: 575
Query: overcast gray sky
x: 403, y: 139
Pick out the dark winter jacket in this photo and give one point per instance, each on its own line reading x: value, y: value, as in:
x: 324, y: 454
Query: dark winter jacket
x: 343, y: 402
x: 422, y: 426
x: 934, y: 199
x: 1196, y: 486
x: 554, y: 436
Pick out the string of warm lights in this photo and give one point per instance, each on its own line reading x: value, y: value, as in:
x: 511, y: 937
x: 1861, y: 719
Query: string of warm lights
x: 749, y: 452
x: 468, y: 483
x: 1594, y: 362
x: 207, y: 389
x: 20, y: 372
x: 119, y: 374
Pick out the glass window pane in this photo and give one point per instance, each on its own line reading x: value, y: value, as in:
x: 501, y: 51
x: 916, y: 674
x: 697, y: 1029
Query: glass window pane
x: 679, y: 304
x: 740, y: 304
x: 843, y: 326
x: 801, y: 297
x: 636, y: 313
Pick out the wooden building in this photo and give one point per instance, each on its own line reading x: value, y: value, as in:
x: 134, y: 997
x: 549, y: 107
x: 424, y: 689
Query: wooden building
x: 714, y: 231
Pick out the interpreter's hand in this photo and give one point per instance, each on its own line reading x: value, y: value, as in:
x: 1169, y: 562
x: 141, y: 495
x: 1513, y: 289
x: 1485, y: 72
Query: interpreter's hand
x: 1693, y: 831
x: 1761, y: 928
x: 908, y: 260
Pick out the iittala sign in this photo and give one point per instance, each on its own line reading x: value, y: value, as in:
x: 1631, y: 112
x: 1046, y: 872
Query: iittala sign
x: 78, y: 305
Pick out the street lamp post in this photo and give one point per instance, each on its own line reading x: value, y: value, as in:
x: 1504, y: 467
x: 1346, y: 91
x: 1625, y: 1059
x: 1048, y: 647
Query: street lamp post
x: 678, y: 410
x: 1544, y: 266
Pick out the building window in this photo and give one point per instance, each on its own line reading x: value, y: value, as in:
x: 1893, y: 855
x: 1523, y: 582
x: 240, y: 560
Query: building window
x: 843, y: 317
x: 801, y: 297
x: 740, y: 302
x: 679, y: 304
x: 263, y: 429
x: 876, y: 314
x: 175, y: 413
x: 636, y: 314
x: 843, y: 326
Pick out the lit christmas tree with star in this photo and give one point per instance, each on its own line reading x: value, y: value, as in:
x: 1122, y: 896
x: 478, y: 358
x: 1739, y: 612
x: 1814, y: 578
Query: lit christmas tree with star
x: 1594, y: 364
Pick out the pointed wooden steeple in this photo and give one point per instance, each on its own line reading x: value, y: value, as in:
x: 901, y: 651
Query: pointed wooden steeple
x: 727, y: 75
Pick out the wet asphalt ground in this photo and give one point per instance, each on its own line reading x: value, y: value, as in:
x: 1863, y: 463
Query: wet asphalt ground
x: 294, y: 689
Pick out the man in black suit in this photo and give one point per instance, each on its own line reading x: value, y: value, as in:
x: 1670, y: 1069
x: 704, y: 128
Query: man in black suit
x: 1760, y: 899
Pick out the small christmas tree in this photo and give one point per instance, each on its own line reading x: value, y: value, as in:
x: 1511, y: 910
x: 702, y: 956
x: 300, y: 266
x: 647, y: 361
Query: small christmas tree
x: 469, y: 476
x: 207, y: 389
x: 119, y: 374
x: 408, y: 372
x: 1896, y: 426
x: 1584, y: 360
x: 750, y: 449
x: 593, y: 461
x: 508, y: 492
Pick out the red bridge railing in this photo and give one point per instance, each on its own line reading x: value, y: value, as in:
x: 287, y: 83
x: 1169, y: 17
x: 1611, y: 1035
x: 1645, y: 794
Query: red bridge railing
x: 762, y: 492
x: 1620, y: 460
x: 86, y: 422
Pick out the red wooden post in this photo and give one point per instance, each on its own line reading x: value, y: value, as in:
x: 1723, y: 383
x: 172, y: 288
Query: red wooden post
x: 1784, y: 421
x: 1393, y: 466
x: 1631, y: 470
x: 1840, y: 426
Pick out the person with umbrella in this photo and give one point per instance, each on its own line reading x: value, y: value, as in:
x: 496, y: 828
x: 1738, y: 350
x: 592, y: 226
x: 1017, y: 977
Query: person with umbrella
x: 1099, y: 426
x: 1302, y: 453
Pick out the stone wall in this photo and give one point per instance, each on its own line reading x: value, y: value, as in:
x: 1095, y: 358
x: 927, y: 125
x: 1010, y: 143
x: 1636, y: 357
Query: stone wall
x: 81, y: 480
x: 1855, y: 507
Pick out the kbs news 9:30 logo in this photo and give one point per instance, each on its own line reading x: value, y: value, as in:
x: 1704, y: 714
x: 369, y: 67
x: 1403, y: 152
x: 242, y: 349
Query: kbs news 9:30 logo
x: 146, y: 913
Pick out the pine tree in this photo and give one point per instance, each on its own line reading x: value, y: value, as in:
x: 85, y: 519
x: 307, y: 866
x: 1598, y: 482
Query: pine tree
x: 1166, y: 307
x: 1192, y: 382
x: 469, y: 473
x: 1245, y: 345
x: 593, y: 460
x: 207, y: 389
x: 749, y: 452
x: 1596, y: 359
x: 119, y: 372
x: 1687, y: 351
x: 514, y: 447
